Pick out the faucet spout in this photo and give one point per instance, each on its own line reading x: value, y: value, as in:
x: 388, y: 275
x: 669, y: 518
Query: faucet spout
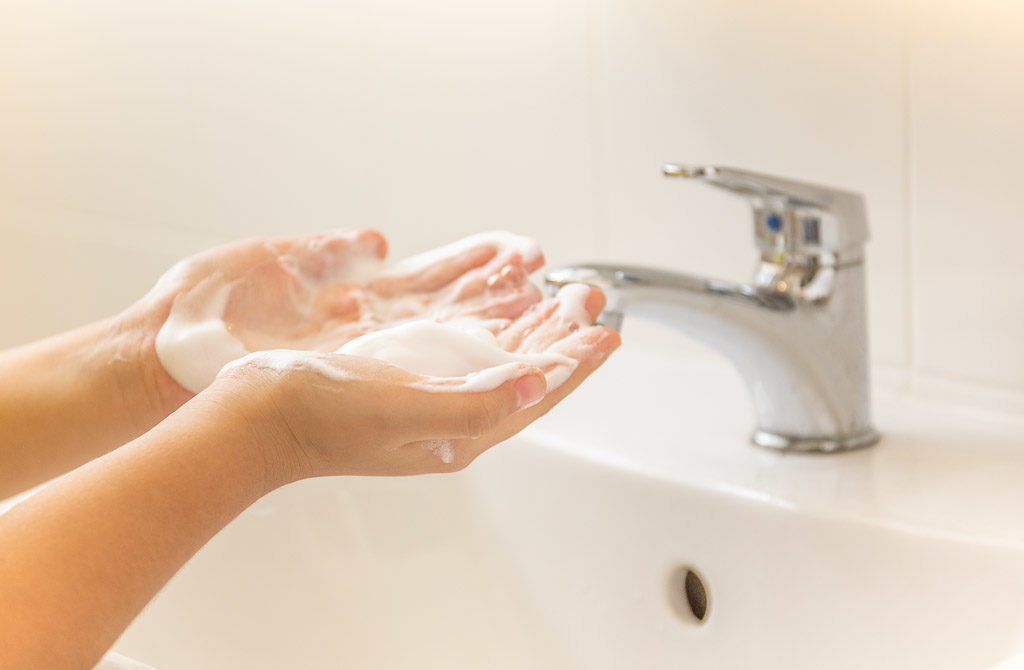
x: 797, y: 332
x: 648, y: 291
x: 802, y: 361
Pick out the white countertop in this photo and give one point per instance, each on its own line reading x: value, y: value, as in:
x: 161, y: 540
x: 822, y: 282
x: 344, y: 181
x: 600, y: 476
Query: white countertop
x: 939, y: 468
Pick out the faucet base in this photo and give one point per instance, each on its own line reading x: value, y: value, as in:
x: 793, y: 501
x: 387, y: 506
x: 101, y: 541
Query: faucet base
x: 825, y: 445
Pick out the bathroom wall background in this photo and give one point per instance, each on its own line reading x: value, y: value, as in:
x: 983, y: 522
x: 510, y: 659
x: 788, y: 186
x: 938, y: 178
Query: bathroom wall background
x: 132, y: 134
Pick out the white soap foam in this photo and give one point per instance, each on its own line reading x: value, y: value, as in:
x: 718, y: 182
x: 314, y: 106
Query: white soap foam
x: 443, y: 350
x: 286, y: 360
x: 195, y: 343
x: 499, y: 239
x: 572, y: 299
x: 359, y: 262
x: 444, y: 449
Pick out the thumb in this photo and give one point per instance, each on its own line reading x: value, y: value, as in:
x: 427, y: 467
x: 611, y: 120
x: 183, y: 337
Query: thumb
x: 450, y: 412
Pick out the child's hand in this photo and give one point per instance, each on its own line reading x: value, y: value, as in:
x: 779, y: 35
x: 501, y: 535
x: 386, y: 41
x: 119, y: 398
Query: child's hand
x: 331, y: 414
x: 318, y: 292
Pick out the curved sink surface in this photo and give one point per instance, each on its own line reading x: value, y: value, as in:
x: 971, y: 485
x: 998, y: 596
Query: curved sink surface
x: 566, y: 548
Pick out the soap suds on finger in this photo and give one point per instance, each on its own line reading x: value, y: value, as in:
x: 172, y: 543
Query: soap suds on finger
x: 444, y: 449
x: 526, y: 247
x: 195, y: 343
x: 572, y: 300
x: 436, y: 349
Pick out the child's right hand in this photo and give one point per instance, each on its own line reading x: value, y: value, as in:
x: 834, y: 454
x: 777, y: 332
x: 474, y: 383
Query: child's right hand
x: 313, y: 414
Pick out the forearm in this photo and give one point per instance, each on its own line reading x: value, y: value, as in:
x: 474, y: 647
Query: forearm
x: 70, y: 398
x: 81, y: 558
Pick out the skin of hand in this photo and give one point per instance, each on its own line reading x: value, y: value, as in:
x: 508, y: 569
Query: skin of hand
x: 76, y: 396
x: 333, y: 414
x: 82, y: 557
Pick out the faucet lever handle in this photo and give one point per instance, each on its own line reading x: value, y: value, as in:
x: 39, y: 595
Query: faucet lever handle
x: 792, y: 218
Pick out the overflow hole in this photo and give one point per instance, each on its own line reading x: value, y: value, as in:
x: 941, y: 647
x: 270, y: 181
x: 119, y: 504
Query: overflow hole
x: 696, y: 595
x: 688, y: 595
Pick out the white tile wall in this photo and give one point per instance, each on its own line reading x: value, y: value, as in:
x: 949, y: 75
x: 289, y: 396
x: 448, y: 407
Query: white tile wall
x: 424, y: 119
x: 133, y: 133
x: 61, y: 268
x: 967, y: 145
x: 785, y: 87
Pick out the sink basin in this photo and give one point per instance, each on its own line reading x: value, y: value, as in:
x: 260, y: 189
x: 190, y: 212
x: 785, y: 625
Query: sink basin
x: 633, y: 527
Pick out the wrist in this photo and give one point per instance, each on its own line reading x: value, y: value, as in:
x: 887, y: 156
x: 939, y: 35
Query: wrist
x: 146, y: 388
x: 71, y: 398
x: 246, y: 404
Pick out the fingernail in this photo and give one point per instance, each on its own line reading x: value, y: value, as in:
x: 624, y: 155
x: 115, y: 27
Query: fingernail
x: 531, y: 389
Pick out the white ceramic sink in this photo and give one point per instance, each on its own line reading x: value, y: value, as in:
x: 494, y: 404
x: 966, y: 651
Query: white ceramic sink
x: 565, y: 548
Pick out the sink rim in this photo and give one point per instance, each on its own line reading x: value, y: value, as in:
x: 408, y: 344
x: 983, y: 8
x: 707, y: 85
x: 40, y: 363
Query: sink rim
x: 941, y: 467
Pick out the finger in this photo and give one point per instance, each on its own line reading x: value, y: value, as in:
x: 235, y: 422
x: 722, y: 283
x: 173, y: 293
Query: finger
x: 490, y: 265
x: 374, y: 240
x: 227, y: 260
x: 511, y: 338
x: 340, y: 303
x: 506, y: 271
x: 441, y: 410
x: 580, y: 303
x: 423, y: 274
x: 236, y: 258
x: 529, y: 260
x: 336, y: 262
x: 594, y: 304
x: 576, y: 306
x: 510, y: 305
x: 507, y: 305
x: 368, y: 241
x: 337, y: 256
x: 508, y: 276
x: 591, y: 347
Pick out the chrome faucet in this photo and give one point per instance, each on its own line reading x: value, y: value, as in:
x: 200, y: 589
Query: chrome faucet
x: 797, y: 332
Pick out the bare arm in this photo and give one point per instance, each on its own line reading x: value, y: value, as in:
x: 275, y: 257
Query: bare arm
x: 74, y: 397
x: 81, y: 558
x: 70, y: 398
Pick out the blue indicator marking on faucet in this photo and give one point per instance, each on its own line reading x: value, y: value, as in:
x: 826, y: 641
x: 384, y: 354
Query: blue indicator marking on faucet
x: 774, y: 222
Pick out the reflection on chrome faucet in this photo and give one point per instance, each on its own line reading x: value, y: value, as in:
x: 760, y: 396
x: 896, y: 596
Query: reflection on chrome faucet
x: 797, y: 332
